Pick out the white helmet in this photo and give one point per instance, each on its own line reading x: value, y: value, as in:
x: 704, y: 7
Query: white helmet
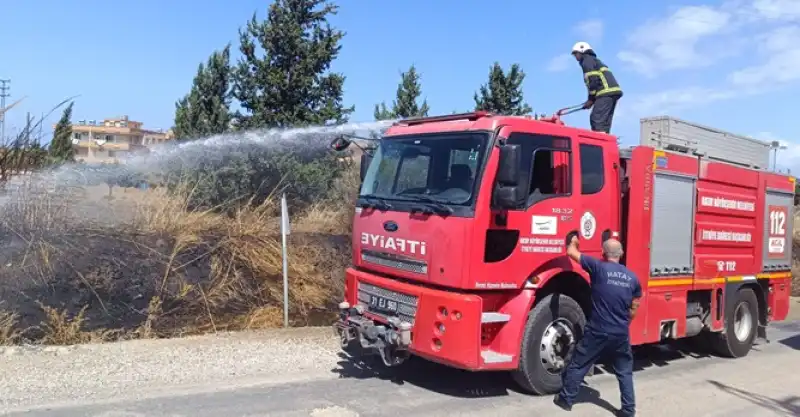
x: 581, y: 47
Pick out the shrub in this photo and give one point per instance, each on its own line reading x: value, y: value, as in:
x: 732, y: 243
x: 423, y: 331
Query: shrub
x: 252, y: 174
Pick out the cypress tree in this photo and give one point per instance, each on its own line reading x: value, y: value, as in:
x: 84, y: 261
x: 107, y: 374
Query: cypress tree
x: 61, y: 149
x: 205, y: 110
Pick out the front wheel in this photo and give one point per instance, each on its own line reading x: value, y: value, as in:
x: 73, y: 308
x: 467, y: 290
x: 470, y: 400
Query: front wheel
x: 741, y: 324
x: 551, y: 332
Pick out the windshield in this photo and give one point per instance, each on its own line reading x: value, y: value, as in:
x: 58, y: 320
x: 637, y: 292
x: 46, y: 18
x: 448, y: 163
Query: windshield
x: 440, y: 168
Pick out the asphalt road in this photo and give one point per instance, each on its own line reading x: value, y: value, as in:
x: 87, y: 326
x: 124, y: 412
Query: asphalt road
x: 669, y: 382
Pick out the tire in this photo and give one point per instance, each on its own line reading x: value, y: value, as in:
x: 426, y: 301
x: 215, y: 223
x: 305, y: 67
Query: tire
x: 533, y: 376
x: 727, y: 343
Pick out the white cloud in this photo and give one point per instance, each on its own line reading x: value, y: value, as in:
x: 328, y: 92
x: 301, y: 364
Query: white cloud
x: 697, y: 36
x: 590, y: 30
x: 679, y: 98
x: 674, y: 42
x: 777, y: 68
x: 778, y: 9
x: 781, y: 52
x: 560, y: 63
x: 781, y: 39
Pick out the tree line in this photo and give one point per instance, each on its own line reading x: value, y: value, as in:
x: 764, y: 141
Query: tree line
x: 283, y: 79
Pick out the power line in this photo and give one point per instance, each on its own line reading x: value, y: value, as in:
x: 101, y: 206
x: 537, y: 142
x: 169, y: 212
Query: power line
x: 4, y: 87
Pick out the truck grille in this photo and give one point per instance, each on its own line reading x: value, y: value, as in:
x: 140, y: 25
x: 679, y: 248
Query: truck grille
x: 395, y: 261
x: 406, y: 304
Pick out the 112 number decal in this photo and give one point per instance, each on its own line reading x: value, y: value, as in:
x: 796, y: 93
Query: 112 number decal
x: 777, y: 222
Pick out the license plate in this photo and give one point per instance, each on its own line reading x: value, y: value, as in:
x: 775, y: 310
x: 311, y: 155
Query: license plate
x: 383, y: 305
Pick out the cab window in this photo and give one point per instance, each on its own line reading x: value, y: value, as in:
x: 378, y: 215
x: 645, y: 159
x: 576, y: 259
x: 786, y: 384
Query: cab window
x: 545, y: 165
x: 592, y: 173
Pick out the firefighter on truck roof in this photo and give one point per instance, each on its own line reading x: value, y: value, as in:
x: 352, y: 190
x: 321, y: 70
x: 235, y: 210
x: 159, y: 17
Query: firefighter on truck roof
x: 604, y: 90
x: 615, y: 298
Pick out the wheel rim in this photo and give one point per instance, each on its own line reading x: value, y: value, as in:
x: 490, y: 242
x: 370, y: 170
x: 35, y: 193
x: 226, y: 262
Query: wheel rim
x: 742, y: 322
x: 557, y: 343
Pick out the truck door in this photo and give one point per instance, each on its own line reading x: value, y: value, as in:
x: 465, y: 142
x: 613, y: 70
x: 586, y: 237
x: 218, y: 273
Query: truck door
x: 547, y: 213
x: 597, y: 189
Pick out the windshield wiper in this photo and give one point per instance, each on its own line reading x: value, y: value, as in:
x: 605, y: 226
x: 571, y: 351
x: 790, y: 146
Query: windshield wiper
x: 434, y: 204
x: 375, y: 201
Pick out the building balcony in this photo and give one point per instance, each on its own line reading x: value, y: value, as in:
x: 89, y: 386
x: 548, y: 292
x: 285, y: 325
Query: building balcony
x: 110, y: 146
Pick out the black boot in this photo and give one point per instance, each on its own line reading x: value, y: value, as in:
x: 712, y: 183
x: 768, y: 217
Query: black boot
x: 557, y: 400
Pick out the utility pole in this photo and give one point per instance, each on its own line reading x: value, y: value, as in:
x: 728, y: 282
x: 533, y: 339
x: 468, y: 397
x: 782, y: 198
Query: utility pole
x: 776, y: 146
x: 4, y: 87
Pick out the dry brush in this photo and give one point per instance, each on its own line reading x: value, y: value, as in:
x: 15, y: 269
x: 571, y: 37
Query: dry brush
x: 78, y: 266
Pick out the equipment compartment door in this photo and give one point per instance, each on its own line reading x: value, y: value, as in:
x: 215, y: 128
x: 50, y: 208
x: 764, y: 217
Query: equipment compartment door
x: 598, y: 187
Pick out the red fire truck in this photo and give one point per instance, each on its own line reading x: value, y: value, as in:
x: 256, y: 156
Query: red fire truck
x: 459, y: 236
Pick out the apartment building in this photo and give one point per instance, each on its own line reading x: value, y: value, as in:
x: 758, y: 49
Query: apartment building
x: 112, y: 140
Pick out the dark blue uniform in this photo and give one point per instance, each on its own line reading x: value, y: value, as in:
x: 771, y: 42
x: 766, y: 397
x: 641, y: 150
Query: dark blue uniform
x: 607, y: 331
x: 604, y: 91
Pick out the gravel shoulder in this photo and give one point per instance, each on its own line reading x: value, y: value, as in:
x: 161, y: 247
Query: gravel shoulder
x: 60, y: 376
x: 135, y: 369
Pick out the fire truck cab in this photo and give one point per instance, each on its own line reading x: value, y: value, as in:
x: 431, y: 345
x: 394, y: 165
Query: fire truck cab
x: 460, y: 228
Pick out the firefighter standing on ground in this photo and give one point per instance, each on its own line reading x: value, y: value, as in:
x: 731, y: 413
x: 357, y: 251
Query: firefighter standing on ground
x: 604, y: 91
x: 615, y: 298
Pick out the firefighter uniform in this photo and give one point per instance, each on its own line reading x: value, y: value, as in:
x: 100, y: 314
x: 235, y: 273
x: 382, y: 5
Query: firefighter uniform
x: 604, y: 90
x: 607, y: 332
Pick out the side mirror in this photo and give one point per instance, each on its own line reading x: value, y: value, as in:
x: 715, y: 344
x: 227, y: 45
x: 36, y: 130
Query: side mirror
x: 340, y: 143
x: 508, y: 166
x: 507, y: 196
x: 366, y: 159
x: 507, y: 192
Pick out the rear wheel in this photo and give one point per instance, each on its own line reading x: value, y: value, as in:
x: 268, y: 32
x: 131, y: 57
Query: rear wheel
x: 551, y: 332
x: 741, y: 323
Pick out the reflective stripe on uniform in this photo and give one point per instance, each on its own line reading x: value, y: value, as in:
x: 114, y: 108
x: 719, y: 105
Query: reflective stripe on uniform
x: 599, y: 74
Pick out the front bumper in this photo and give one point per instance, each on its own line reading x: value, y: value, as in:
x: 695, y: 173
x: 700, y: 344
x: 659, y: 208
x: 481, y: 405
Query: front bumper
x: 441, y: 326
x: 391, y: 340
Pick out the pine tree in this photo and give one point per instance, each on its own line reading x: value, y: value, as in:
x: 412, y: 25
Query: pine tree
x: 383, y: 113
x: 503, y: 93
x: 405, y: 104
x: 61, y: 149
x: 205, y: 111
x: 408, y: 92
x: 288, y: 82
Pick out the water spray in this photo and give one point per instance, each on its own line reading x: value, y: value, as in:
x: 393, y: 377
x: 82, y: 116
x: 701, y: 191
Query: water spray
x: 306, y: 143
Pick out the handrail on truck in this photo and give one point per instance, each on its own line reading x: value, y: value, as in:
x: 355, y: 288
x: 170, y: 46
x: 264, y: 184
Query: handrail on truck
x: 556, y: 117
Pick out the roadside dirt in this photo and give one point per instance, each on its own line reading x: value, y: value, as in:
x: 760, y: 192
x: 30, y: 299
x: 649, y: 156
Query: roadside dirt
x: 794, y: 309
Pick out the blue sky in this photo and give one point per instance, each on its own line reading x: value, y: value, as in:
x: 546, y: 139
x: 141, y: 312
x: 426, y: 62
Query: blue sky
x: 732, y: 64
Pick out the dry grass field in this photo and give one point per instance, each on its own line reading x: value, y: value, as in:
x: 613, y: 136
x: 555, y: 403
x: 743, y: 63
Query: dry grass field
x: 83, y: 264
